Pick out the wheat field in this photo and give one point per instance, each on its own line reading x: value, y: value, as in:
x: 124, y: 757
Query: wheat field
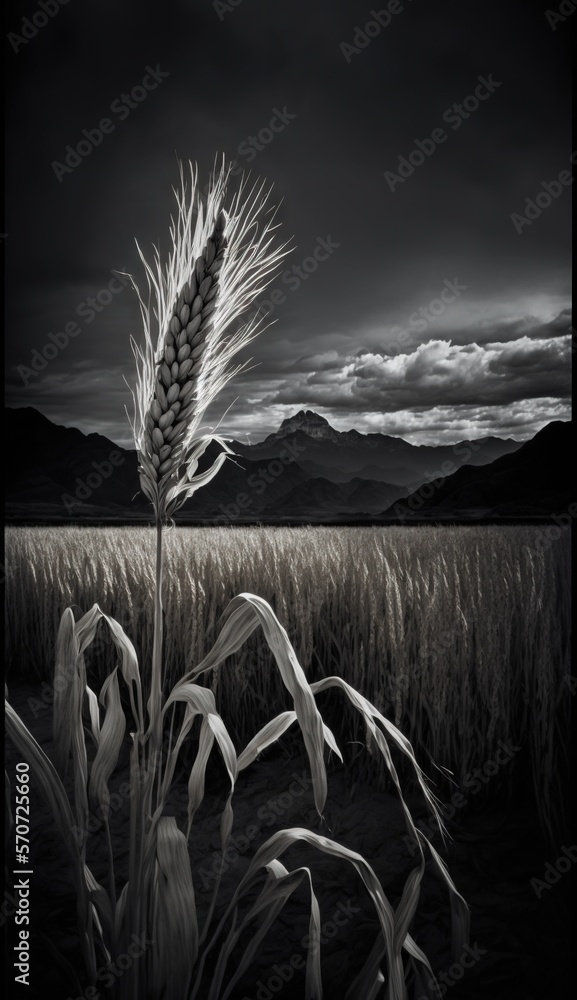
x: 458, y: 635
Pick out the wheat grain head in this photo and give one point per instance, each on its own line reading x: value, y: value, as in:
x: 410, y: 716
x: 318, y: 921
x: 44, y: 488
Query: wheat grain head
x: 220, y: 261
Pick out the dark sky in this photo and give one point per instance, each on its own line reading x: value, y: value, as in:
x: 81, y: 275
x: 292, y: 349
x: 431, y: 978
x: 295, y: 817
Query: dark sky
x: 356, y: 339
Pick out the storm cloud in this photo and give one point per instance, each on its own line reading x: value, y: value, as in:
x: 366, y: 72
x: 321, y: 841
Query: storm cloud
x: 358, y: 336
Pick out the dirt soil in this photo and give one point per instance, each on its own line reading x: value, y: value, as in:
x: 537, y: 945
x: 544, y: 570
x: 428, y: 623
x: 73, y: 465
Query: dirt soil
x: 518, y: 942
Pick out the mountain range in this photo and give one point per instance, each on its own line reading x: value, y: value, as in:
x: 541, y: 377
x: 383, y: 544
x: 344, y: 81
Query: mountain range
x: 340, y: 455
x: 306, y: 472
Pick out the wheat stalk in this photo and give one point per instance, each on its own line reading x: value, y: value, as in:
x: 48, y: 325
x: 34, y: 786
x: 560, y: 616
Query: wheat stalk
x: 220, y: 261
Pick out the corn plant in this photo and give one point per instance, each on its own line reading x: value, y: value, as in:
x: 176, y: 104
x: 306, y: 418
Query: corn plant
x: 220, y: 261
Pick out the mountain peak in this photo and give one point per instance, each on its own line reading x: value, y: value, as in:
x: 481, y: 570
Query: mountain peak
x: 305, y: 417
x: 308, y: 422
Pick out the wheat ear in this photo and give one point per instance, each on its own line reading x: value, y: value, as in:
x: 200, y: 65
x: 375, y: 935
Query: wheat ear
x: 220, y: 262
x: 179, y: 369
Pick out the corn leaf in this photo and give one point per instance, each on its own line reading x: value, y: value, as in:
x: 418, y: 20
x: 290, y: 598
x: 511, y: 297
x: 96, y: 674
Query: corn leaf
x: 94, y: 714
x: 279, y: 842
x: 128, y: 667
x: 196, y: 781
x: 111, y: 736
x: 265, y: 736
x: 54, y: 793
x: 276, y: 892
x: 175, y: 926
x: 65, y: 678
x: 243, y: 615
x: 461, y: 917
x: 370, y: 713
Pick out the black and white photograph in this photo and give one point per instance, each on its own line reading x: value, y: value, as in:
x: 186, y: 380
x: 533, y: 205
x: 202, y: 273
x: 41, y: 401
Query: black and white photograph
x: 288, y: 513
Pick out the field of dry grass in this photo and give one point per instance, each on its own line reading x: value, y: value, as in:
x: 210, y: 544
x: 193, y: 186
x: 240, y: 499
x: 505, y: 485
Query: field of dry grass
x: 459, y: 635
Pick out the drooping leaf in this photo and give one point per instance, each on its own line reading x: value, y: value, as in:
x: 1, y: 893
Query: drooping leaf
x: 243, y: 615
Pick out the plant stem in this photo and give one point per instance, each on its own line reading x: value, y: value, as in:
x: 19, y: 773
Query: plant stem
x: 156, y: 676
x: 150, y: 759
